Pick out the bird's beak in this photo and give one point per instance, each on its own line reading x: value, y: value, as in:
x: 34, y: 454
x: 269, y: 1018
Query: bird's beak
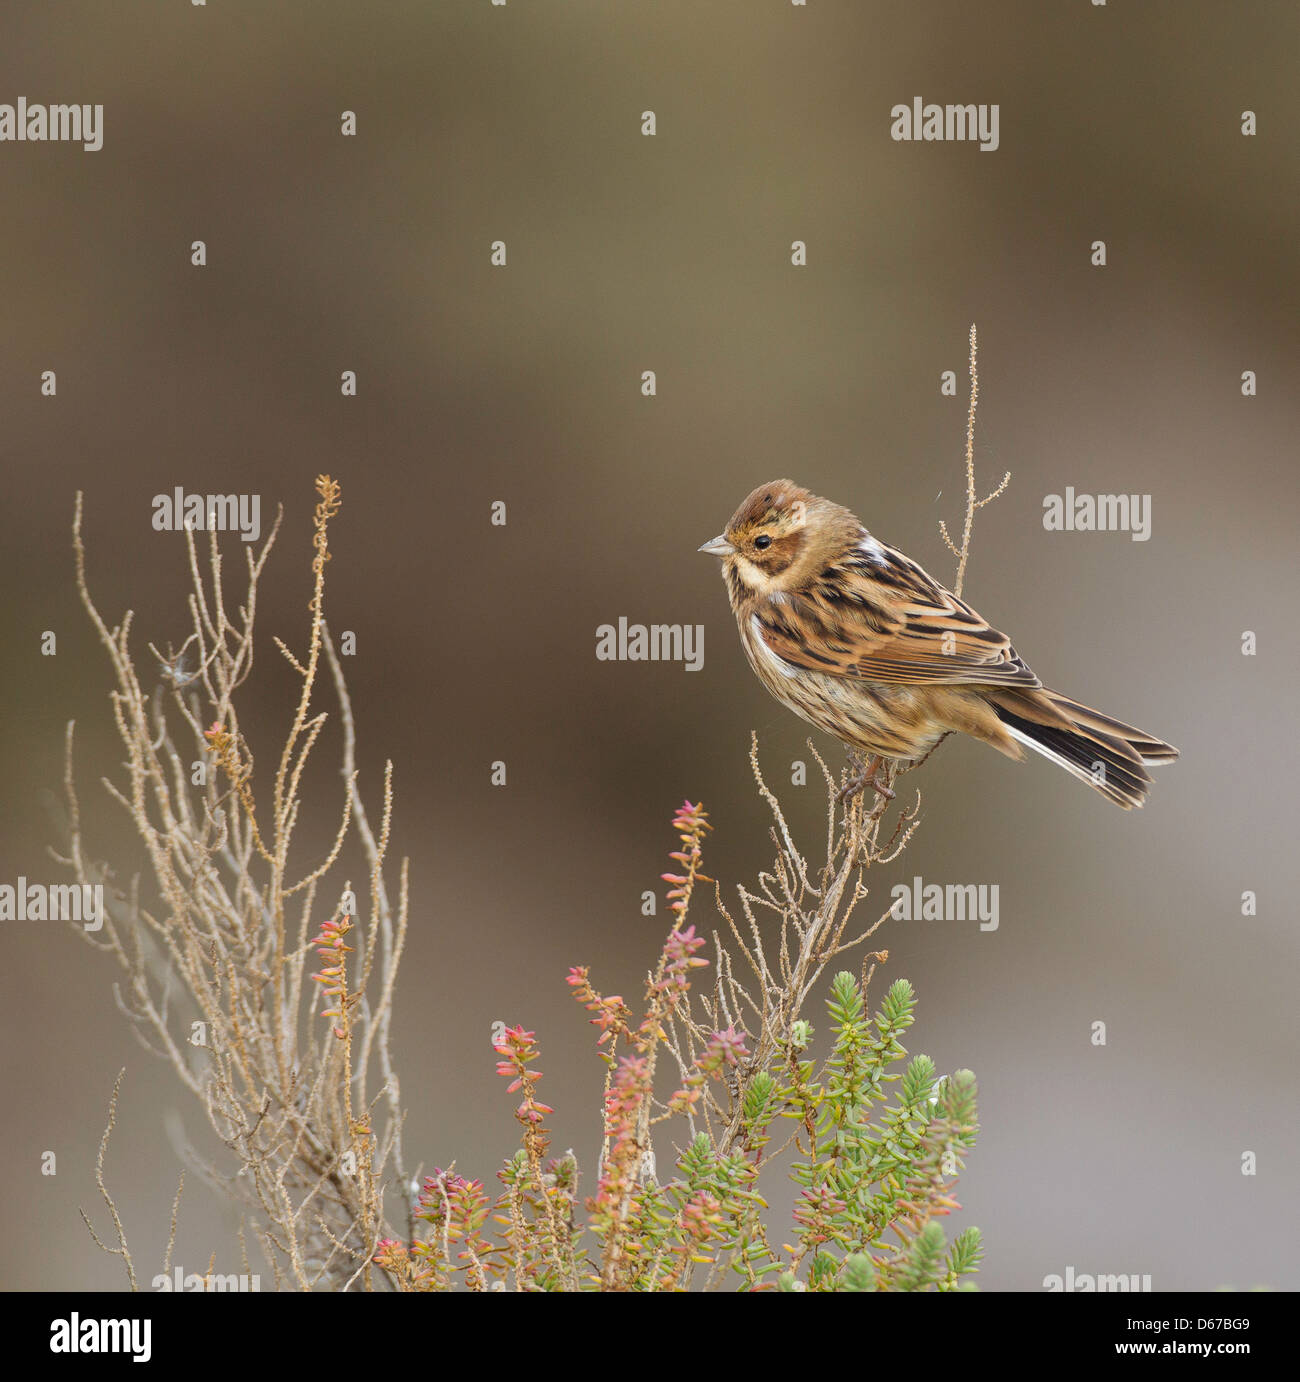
x: 717, y: 547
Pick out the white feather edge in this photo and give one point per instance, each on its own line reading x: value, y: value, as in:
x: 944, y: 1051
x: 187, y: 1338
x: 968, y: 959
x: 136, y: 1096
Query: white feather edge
x: 777, y: 663
x: 1072, y: 768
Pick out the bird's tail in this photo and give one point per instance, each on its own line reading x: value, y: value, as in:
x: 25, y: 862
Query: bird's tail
x: 1107, y: 754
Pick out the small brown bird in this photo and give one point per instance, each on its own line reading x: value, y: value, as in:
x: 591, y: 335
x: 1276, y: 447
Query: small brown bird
x: 860, y: 641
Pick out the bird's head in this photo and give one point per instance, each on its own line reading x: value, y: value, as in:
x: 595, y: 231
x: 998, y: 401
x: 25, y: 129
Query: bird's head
x: 781, y: 537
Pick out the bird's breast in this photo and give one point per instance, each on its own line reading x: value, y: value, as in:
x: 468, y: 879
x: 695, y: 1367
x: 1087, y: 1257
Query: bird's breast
x: 875, y: 717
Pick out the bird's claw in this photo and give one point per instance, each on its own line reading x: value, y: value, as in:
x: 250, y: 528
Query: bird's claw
x: 868, y: 775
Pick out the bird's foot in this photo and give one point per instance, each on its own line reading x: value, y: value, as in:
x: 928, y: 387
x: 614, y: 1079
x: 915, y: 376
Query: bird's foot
x: 868, y: 775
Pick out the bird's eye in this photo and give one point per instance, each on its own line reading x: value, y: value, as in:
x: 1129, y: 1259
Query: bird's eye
x: 762, y: 543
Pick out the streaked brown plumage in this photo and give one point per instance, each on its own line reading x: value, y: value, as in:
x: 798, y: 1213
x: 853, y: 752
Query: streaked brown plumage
x: 860, y: 641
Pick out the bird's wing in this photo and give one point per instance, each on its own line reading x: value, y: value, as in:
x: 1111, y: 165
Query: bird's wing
x: 877, y: 615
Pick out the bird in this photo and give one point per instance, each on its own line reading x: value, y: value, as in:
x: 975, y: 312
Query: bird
x: 862, y: 642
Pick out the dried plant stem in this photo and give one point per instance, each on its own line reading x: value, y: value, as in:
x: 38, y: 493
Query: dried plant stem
x: 121, y: 1250
x: 962, y: 553
x: 215, y: 972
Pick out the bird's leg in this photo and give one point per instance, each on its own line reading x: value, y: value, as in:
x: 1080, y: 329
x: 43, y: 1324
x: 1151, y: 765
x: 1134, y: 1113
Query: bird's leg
x: 868, y: 774
x: 859, y: 779
x: 882, y: 789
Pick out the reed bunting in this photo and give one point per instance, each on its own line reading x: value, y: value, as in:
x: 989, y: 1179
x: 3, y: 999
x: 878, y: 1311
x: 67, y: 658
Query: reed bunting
x: 860, y: 641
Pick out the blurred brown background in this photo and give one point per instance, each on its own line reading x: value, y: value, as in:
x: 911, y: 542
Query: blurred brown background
x: 476, y: 643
